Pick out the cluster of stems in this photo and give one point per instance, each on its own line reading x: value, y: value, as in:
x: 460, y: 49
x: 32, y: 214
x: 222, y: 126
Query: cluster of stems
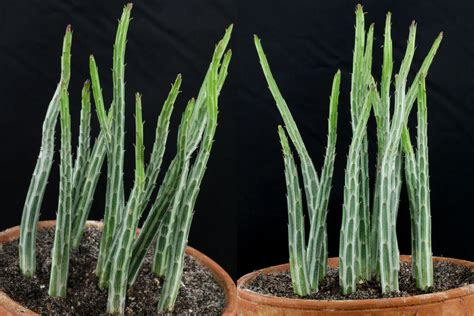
x: 354, y: 246
x: 168, y: 223
x: 307, y: 259
x: 368, y: 247
x: 377, y: 255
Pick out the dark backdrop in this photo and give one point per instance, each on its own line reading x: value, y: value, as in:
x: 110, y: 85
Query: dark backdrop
x: 241, y: 213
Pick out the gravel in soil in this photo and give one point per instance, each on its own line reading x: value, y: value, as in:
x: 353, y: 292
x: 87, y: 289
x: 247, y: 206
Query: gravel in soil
x: 446, y: 276
x: 199, y: 294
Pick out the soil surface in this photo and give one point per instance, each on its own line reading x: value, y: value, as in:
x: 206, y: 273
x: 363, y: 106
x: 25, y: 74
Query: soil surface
x: 199, y: 294
x: 446, y: 276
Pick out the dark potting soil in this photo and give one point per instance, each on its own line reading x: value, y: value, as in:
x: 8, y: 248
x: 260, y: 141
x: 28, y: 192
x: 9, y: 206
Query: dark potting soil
x: 199, y: 294
x: 446, y: 276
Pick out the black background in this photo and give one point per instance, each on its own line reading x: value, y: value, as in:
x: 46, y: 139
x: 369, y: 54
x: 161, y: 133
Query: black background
x: 240, y: 218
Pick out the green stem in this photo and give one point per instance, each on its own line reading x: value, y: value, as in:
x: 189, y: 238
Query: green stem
x: 34, y: 197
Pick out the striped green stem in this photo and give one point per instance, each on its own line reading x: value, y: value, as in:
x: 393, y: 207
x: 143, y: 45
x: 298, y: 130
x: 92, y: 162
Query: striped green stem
x: 388, y: 199
x: 183, y: 219
x: 296, y: 231
x: 381, y: 105
x: 34, y: 197
x: 361, y: 76
x: 349, y: 235
x: 79, y: 176
x: 154, y: 220
x: 117, y: 287
x: 382, y: 115
x: 83, y: 206
x: 195, y: 132
x: 151, y: 172
x: 151, y: 229
x: 62, y: 237
x: 83, y: 200
x: 310, y: 176
x: 114, y: 206
x: 417, y: 176
x: 411, y: 179
x: 164, y: 242
x: 317, y: 253
x: 161, y: 136
x: 307, y: 266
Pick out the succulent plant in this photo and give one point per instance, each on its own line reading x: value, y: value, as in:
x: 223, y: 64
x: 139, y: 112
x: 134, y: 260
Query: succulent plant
x: 123, y: 240
x: 417, y: 180
x: 115, y: 200
x: 382, y: 259
x: 308, y: 263
x: 350, y: 247
x: 34, y: 197
x: 83, y: 153
x: 156, y: 225
x: 121, y: 251
x: 368, y: 247
x: 83, y: 193
x: 177, y: 196
x: 354, y: 240
x: 62, y: 235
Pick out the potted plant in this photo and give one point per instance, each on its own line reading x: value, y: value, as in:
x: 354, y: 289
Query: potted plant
x: 369, y: 276
x: 76, y: 266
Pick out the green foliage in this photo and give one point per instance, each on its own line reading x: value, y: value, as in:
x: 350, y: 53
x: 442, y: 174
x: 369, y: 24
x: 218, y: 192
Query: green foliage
x: 369, y: 249
x: 84, y: 193
x: 62, y: 235
x: 34, y: 198
x: 308, y: 264
x: 83, y: 153
x: 114, y: 206
x: 125, y: 235
x: 185, y: 213
x: 385, y: 254
x: 368, y: 246
x: 417, y: 178
x: 177, y: 195
x: 354, y: 246
x: 121, y: 252
x: 157, y: 224
x: 349, y: 243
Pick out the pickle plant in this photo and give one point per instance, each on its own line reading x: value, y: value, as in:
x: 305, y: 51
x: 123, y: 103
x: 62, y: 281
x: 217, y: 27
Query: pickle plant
x: 417, y: 180
x: 368, y: 247
x: 34, y: 197
x: 122, y: 252
x: 307, y: 262
x: 375, y: 255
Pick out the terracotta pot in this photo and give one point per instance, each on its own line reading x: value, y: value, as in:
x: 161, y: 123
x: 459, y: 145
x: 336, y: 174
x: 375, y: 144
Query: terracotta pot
x: 10, y: 307
x: 457, y: 302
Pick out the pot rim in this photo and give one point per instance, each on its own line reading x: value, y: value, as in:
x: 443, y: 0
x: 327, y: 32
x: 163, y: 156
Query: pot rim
x: 221, y: 276
x: 350, y: 305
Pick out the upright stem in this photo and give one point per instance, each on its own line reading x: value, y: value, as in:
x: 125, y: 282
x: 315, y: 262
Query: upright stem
x: 114, y: 207
x: 62, y: 238
x: 34, y: 197
x: 117, y: 282
x: 349, y: 237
